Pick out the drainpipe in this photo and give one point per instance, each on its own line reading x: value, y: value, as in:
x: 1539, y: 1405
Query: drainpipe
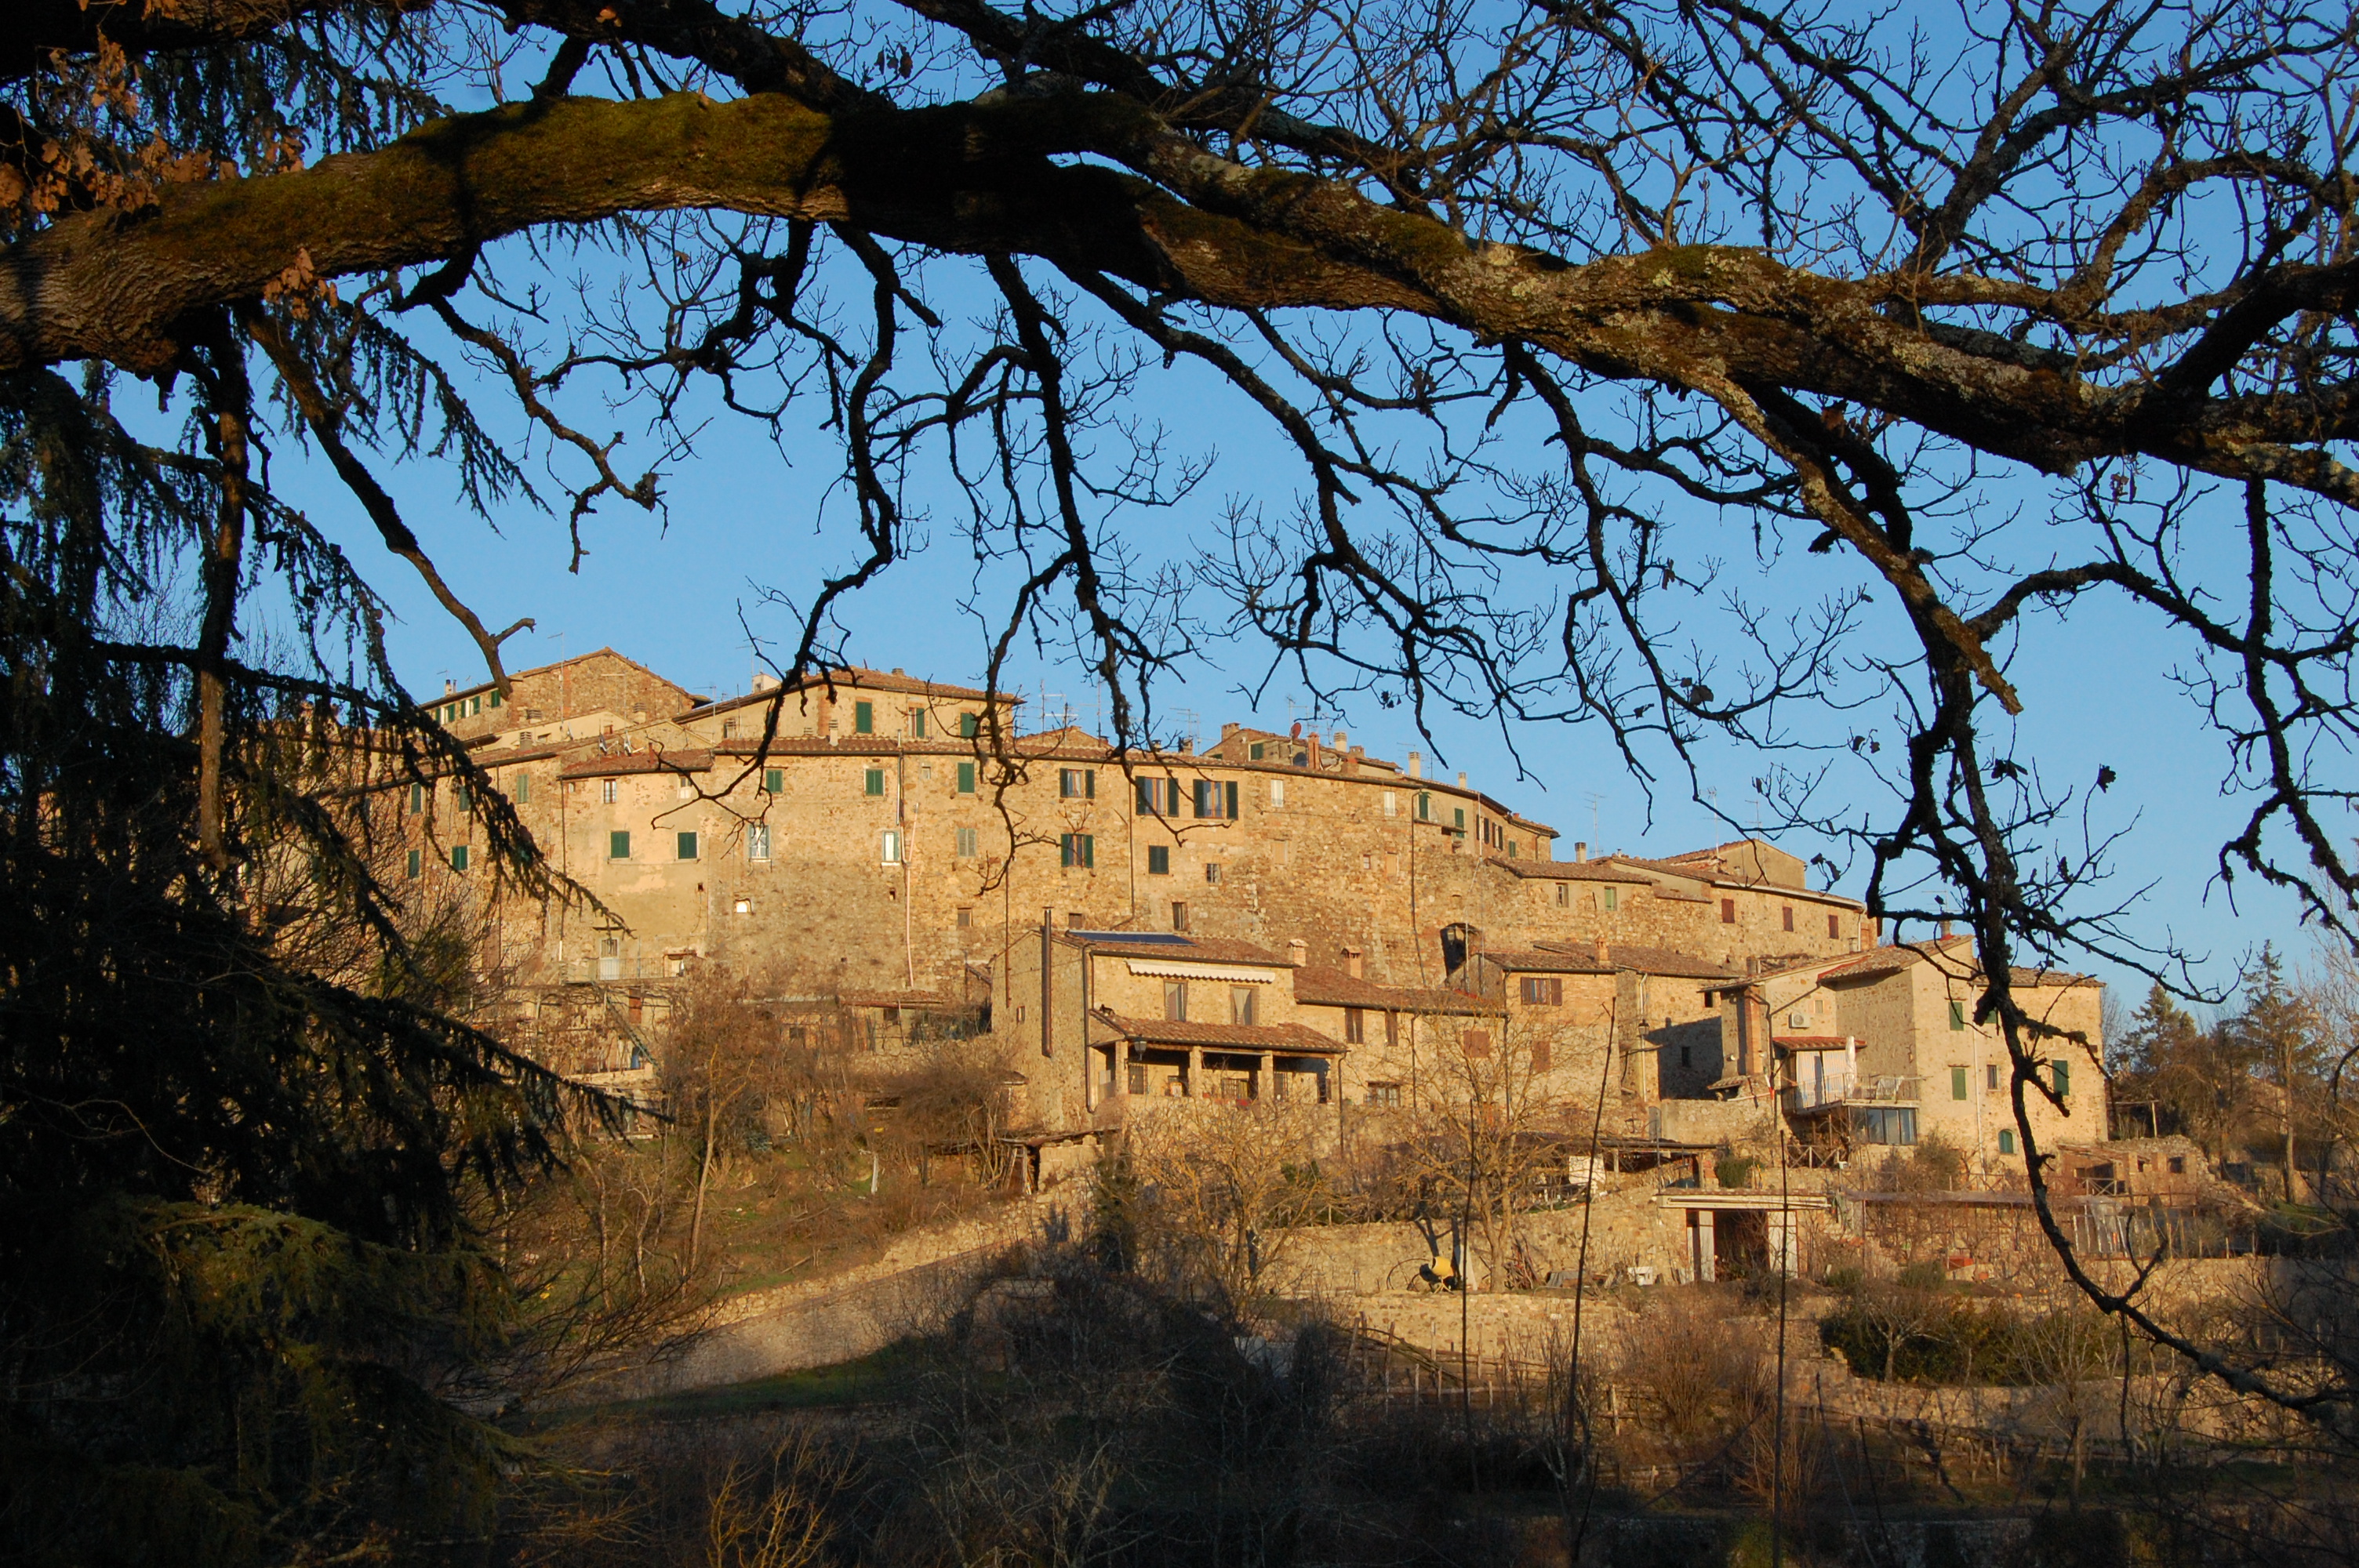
x: 1048, y: 1035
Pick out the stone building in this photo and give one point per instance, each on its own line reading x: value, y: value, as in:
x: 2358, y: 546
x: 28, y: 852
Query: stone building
x: 899, y: 849
x: 873, y: 830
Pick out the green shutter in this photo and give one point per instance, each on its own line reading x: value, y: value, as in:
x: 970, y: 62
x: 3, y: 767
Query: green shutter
x: 875, y: 780
x: 969, y: 727
x: 688, y: 846
x: 1957, y: 1015
x: 2007, y: 1139
x: 1957, y: 1083
x: 1158, y: 860
x: 457, y: 857
x: 966, y: 778
x: 1090, y: 857
x: 1232, y: 801
x: 2063, y: 1078
x: 618, y: 845
x: 495, y: 699
x: 416, y: 862
x: 863, y: 719
x: 1090, y: 782
x: 523, y: 788
x: 774, y: 781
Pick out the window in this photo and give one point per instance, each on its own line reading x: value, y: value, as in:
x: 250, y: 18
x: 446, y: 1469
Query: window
x: 1178, y: 916
x: 464, y: 797
x: 1158, y: 860
x: 875, y: 782
x: 1355, y: 1026
x: 1957, y: 1083
x: 965, y: 918
x: 1834, y: 927
x: 607, y: 789
x: 1077, y: 850
x: 523, y: 787
x: 1241, y: 1004
x: 1990, y: 1077
x: 917, y: 724
x: 457, y: 857
x: 1543, y: 991
x: 2179, y: 1165
x: 1078, y: 784
x: 1215, y: 799
x: 2063, y: 1071
x: 863, y: 719
x: 416, y: 799
x: 1277, y: 794
x: 2007, y: 1139
x: 1424, y: 805
x: 1255, y: 750
x: 1564, y: 895
x: 1728, y: 912
x: 1613, y: 897
x: 728, y: 730
x: 1476, y: 1041
x: 757, y: 841
x: 1175, y: 1001
x: 495, y: 699
x: 1211, y: 870
x: 1788, y: 912
x: 890, y: 847
x: 1957, y: 1015
x: 1384, y: 1093
x: 966, y: 844
x: 966, y: 778
x: 475, y: 705
x: 1889, y: 1124
x: 1458, y: 817
x: 687, y: 846
x: 774, y: 781
x: 416, y: 862
x: 1392, y: 805
x: 618, y: 845
x: 969, y: 727
x: 743, y: 905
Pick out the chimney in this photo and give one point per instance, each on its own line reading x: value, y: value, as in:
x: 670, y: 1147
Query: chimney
x: 1605, y: 954
x: 450, y: 688
x: 1461, y: 781
x: 1343, y: 740
x: 1354, y: 963
x: 1297, y: 952
x: 1186, y: 745
x: 1416, y: 764
x: 764, y: 680
x: 1579, y: 849
x: 897, y: 670
x: 1945, y: 928
x: 1228, y: 730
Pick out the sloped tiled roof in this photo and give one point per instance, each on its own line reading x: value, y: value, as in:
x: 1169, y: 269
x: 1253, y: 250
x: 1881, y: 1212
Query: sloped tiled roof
x: 672, y: 760
x: 1333, y: 987
x: 1646, y: 960
x: 896, y: 999
x: 1159, y: 944
x: 1570, y: 870
x: 1284, y: 1039
x: 854, y: 677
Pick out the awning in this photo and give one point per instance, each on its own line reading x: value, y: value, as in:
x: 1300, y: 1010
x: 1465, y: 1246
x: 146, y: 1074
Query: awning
x: 1168, y: 969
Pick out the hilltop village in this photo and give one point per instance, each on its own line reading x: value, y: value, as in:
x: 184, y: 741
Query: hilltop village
x: 1269, y: 915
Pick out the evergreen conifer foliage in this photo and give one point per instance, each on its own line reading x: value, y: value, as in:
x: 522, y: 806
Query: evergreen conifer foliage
x: 243, y: 1129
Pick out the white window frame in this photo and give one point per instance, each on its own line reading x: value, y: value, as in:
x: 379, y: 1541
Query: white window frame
x: 1277, y: 794
x: 757, y: 841
x: 607, y: 790
x: 889, y: 845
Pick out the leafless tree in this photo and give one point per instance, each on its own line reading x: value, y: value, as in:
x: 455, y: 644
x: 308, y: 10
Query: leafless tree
x: 1941, y: 324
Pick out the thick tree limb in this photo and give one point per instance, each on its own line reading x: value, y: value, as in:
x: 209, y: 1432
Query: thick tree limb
x: 976, y: 178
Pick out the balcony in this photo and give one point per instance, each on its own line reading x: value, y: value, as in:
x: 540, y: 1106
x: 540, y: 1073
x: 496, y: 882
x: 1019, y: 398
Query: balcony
x: 1838, y: 1088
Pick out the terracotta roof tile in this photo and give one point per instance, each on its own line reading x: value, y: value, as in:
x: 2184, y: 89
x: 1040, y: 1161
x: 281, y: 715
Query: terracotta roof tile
x: 1333, y: 987
x: 1161, y: 944
x: 674, y: 759
x: 1571, y: 871
x: 1646, y: 960
x: 1286, y: 1039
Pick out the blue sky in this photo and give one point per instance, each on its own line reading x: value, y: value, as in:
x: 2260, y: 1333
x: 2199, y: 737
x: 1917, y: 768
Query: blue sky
x: 743, y: 515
